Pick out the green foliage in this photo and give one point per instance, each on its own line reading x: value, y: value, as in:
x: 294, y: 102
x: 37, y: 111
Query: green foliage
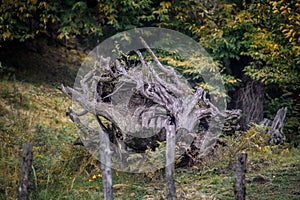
x: 77, y: 19
x: 23, y: 19
x: 273, y: 43
x: 266, y: 31
x: 124, y: 15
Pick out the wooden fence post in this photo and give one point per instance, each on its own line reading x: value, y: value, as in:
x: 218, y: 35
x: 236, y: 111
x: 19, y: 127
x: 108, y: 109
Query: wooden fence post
x: 24, y: 189
x: 239, y: 175
x: 105, y: 159
x: 170, y: 163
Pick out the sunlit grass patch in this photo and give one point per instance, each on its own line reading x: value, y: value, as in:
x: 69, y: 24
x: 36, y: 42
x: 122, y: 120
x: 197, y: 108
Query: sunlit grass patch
x: 29, y: 115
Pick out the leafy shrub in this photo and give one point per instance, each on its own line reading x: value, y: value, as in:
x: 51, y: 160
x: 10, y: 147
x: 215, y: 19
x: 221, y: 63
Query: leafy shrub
x: 252, y: 141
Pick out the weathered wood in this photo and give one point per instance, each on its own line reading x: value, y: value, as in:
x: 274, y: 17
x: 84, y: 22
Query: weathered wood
x: 24, y: 189
x: 105, y: 159
x: 275, y: 127
x: 276, y: 130
x: 239, y: 175
x: 170, y: 160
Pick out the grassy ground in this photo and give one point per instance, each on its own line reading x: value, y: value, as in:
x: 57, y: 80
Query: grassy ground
x: 36, y: 113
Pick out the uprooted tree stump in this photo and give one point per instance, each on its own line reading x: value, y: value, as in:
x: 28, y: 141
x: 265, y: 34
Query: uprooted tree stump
x: 130, y: 100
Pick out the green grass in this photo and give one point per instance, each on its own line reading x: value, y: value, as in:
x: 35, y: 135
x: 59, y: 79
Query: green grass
x: 31, y: 113
x: 285, y: 175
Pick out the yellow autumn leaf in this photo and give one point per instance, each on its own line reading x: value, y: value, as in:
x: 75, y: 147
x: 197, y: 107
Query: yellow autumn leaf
x: 5, y: 36
x: 92, y: 29
x: 283, y: 7
x: 274, y: 3
x: 165, y: 4
x: 289, y: 33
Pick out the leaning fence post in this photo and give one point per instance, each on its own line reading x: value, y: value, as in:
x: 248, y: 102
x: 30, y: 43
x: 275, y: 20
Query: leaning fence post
x: 239, y: 175
x: 24, y: 189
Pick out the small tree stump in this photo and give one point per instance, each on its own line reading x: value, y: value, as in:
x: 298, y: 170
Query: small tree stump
x: 24, y: 189
x: 239, y: 175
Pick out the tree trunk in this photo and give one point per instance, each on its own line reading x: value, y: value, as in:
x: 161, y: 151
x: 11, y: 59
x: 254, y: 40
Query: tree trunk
x: 240, y: 172
x: 24, y: 189
x: 170, y: 161
x: 250, y: 99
